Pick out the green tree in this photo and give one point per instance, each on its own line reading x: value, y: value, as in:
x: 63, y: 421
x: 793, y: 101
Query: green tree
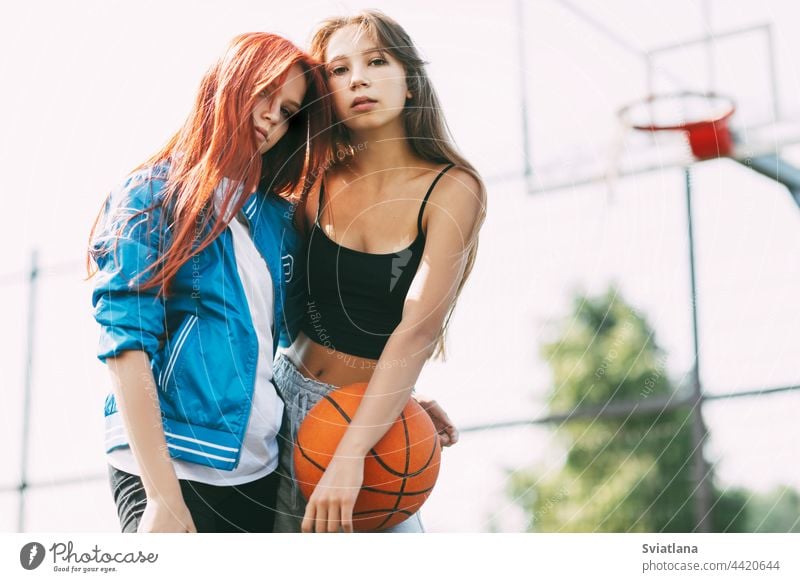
x: 775, y: 512
x: 626, y: 473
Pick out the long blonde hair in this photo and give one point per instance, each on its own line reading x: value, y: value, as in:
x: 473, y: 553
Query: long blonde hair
x: 425, y: 125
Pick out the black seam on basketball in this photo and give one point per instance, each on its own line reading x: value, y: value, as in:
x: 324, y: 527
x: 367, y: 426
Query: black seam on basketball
x: 433, y: 454
x: 405, y: 475
x: 403, y: 511
x: 420, y: 470
x: 372, y: 452
x: 415, y: 473
x: 405, y: 472
x: 337, y: 407
x: 384, y: 492
x: 309, y: 459
x: 389, y: 470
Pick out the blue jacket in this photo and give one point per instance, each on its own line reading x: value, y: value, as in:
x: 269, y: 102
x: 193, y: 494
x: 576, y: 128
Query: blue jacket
x: 201, y: 342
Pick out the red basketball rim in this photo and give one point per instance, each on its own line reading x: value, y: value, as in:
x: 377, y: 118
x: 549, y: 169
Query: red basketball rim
x: 702, y: 109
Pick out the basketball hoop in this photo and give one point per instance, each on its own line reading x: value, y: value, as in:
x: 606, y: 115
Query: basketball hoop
x: 702, y: 116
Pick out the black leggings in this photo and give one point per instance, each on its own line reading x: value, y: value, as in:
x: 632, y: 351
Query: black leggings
x: 225, y: 509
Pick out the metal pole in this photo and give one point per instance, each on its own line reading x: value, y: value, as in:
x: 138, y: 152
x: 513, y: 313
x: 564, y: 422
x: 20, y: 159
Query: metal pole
x: 701, y: 471
x: 26, y: 416
x: 773, y: 76
x: 775, y: 167
x: 702, y: 39
x: 620, y: 409
x: 709, y: 30
x: 526, y: 146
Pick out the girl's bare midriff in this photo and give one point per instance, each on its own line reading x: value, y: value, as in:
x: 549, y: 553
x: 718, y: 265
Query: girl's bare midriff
x: 369, y: 227
x: 324, y: 364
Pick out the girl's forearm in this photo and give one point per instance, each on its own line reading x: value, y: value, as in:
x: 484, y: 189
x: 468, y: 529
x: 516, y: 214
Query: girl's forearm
x: 388, y: 392
x: 137, y: 399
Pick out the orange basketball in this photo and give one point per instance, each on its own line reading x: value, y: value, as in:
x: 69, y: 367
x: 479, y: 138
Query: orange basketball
x: 399, y: 472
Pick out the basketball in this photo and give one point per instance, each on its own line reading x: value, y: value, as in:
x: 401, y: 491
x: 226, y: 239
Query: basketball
x: 399, y: 471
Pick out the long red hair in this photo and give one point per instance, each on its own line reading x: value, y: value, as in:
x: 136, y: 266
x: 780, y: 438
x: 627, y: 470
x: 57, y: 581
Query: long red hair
x: 216, y: 142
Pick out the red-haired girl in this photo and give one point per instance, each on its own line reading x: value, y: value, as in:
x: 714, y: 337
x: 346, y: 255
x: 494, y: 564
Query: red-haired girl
x: 393, y: 227
x: 195, y: 256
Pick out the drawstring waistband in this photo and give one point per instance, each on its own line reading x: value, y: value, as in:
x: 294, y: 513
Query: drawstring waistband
x: 296, y: 416
x: 300, y: 394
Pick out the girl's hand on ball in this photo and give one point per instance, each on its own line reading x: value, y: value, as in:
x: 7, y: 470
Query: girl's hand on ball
x: 330, y: 508
x: 448, y: 433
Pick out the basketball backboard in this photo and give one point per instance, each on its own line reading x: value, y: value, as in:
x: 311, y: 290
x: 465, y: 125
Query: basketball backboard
x: 686, y: 49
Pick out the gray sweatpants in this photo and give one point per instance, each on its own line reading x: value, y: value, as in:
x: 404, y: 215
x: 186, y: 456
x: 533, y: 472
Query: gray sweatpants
x: 299, y: 395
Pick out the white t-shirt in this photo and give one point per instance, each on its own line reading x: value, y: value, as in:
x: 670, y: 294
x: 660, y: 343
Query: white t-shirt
x: 259, y: 454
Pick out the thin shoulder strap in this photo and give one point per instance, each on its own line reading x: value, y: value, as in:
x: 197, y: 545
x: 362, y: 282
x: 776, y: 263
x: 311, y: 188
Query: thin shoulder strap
x: 425, y: 200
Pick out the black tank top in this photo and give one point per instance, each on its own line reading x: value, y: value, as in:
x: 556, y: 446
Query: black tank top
x: 355, y: 299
